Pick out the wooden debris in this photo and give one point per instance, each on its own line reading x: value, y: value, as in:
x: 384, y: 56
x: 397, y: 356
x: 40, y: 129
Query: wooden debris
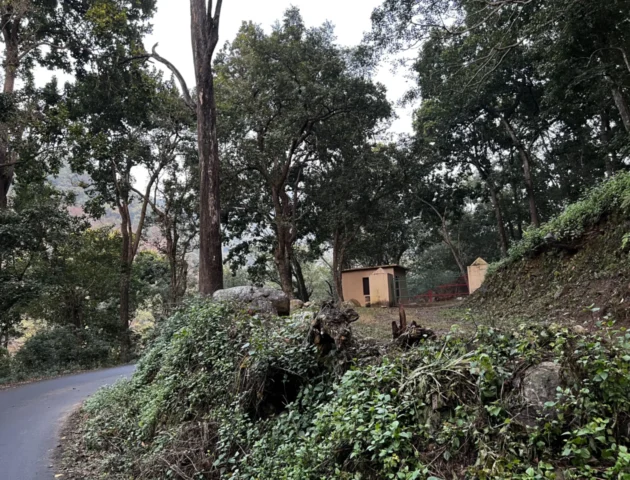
x: 409, y: 335
x: 331, y: 328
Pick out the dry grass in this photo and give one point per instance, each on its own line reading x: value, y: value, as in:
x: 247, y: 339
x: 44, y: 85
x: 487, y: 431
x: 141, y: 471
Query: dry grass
x: 377, y: 322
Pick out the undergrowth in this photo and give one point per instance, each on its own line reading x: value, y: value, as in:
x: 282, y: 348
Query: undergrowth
x: 56, y: 351
x: 222, y: 394
x: 611, y: 196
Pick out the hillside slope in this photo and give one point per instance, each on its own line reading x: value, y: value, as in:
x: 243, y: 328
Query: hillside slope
x: 574, y: 269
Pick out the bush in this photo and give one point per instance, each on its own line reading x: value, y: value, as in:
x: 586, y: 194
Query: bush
x: 610, y: 197
x: 225, y: 395
x: 5, y: 364
x: 59, y: 350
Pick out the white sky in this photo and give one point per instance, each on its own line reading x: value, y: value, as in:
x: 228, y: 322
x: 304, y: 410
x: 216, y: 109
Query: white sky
x: 350, y: 17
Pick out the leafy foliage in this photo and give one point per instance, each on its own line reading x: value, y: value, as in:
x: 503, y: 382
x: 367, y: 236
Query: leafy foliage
x: 606, y: 199
x: 60, y: 350
x: 216, y: 402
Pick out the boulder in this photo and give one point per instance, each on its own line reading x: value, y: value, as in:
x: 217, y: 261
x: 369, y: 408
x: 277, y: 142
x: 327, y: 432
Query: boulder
x: 350, y: 304
x: 296, y: 304
x: 538, y: 386
x: 260, y: 299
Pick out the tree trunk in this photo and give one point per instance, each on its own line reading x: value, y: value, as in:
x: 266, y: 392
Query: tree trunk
x: 126, y: 260
x: 302, y: 290
x: 503, y: 238
x: 285, y: 237
x: 205, y: 36
x: 10, y: 74
x: 527, y: 173
x: 282, y: 259
x: 622, y: 106
x: 337, y: 265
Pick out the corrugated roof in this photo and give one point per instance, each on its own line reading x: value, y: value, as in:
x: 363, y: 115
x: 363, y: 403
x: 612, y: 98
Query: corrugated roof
x: 374, y: 268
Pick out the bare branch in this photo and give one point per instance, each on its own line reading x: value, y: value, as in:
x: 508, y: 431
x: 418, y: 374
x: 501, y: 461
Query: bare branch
x: 180, y: 78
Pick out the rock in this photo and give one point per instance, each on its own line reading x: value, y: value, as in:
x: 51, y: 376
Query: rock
x: 579, y: 330
x: 539, y: 385
x: 350, y: 304
x: 296, y: 304
x: 308, y: 305
x: 261, y: 299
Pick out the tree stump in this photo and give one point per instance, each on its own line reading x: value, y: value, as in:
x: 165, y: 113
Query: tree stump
x: 331, y: 328
x: 409, y: 335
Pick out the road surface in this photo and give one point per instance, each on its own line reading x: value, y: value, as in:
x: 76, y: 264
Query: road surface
x: 31, y: 417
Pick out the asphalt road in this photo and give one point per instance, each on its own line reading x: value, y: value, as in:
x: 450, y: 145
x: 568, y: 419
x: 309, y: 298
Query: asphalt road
x: 31, y: 417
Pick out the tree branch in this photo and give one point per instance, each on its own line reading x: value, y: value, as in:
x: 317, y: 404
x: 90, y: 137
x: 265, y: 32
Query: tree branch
x: 180, y: 78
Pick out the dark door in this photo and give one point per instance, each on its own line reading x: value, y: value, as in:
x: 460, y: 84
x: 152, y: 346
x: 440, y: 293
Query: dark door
x: 366, y: 286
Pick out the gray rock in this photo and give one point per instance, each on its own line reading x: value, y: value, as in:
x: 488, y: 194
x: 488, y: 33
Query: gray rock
x: 350, y: 304
x: 261, y: 299
x: 539, y: 385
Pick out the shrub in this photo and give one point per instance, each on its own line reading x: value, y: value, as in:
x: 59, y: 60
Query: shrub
x: 5, y: 364
x: 221, y: 394
x: 610, y: 197
x: 61, y: 349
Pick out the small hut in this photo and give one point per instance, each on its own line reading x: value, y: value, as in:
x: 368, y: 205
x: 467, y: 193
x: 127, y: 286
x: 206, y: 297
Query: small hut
x: 382, y: 285
x: 477, y: 274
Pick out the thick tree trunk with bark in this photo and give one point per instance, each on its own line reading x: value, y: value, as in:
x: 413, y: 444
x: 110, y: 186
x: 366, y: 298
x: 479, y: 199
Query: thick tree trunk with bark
x: 205, y: 36
x: 11, y: 64
x: 284, y: 210
x: 302, y: 289
x: 126, y: 260
x: 503, y: 238
x: 282, y: 258
x: 527, y: 172
x: 339, y: 253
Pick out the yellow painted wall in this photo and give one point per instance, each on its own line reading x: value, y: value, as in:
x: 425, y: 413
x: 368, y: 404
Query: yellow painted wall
x: 477, y: 274
x: 352, y: 284
x: 379, y: 287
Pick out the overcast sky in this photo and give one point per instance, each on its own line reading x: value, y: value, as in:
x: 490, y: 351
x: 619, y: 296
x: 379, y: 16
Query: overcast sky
x: 350, y: 17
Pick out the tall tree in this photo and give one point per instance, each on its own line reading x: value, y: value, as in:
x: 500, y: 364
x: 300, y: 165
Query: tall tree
x: 175, y: 206
x: 356, y: 199
x: 58, y: 34
x: 285, y: 98
x: 205, y: 20
x: 205, y: 36
x: 123, y: 120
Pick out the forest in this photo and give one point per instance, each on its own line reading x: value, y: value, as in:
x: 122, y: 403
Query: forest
x: 124, y: 189
x: 131, y: 192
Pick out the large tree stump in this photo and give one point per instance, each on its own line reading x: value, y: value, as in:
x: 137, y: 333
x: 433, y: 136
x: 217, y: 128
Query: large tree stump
x: 409, y: 335
x: 331, y: 328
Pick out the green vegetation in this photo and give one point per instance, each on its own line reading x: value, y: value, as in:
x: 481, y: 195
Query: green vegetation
x: 224, y: 395
x: 61, y: 350
x: 611, y: 197
x: 283, y: 159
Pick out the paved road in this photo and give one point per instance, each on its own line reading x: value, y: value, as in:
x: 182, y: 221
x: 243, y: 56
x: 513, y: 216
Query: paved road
x: 31, y: 417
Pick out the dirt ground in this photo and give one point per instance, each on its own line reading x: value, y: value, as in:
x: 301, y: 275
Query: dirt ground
x: 377, y: 322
